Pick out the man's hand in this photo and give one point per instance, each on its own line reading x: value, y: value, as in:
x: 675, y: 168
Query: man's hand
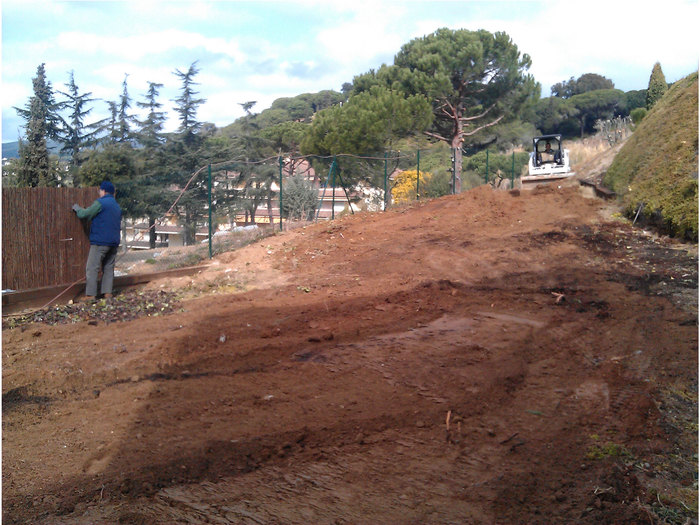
x: 75, y: 208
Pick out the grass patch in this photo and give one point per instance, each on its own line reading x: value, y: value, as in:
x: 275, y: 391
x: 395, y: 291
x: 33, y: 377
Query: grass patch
x: 608, y: 450
x: 658, y: 166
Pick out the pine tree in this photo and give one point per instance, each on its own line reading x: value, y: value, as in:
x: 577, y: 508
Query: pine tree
x: 151, y: 184
x: 74, y: 135
x: 657, y: 86
x: 124, y: 119
x: 41, y: 115
x: 183, y: 153
x: 187, y: 104
x: 150, y: 133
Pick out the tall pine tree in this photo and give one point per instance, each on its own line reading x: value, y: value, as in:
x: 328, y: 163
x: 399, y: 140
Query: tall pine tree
x: 187, y: 104
x: 75, y: 136
x: 184, y: 155
x: 42, y: 123
x: 154, y: 196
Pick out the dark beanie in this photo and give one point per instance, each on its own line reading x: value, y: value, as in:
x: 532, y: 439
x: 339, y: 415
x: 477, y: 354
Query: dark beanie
x: 107, y: 186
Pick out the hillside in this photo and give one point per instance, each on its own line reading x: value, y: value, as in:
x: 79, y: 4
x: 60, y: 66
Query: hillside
x: 658, y: 166
x: 10, y: 150
x: 480, y: 358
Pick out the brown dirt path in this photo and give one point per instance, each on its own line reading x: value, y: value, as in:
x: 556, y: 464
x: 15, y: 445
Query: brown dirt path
x: 482, y: 358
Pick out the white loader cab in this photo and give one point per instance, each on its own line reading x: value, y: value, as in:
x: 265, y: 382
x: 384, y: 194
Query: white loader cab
x: 548, y: 161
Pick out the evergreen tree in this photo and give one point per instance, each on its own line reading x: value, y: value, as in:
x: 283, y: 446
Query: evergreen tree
x: 187, y: 103
x: 184, y: 155
x: 124, y: 119
x: 584, y: 83
x: 106, y: 131
x: 257, y: 177
x: 150, y: 134
x: 75, y: 137
x: 657, y: 86
x: 154, y: 196
x: 42, y: 123
x: 300, y: 199
x: 473, y: 79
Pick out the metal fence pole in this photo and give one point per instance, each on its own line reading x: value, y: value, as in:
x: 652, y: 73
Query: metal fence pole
x: 418, y: 175
x: 333, y: 165
x: 512, y: 173
x: 280, y: 161
x: 210, y: 214
x: 385, y: 179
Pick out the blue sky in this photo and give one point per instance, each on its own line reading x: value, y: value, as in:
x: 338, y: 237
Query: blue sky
x: 260, y: 51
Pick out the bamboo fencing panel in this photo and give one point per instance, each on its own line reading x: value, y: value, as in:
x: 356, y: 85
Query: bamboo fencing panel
x: 43, y: 241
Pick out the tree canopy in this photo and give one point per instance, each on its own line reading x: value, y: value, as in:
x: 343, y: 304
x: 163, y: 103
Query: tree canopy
x: 473, y: 80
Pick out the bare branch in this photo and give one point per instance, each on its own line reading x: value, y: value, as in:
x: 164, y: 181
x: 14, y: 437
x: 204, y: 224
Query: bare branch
x: 435, y: 136
x: 484, y: 126
x: 475, y: 117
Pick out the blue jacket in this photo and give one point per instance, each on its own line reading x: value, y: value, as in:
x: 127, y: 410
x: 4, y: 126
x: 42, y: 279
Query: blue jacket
x: 105, y: 229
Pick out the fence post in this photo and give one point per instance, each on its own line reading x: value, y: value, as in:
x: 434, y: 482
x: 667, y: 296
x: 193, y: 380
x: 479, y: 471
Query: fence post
x: 385, y: 179
x: 487, y: 166
x: 418, y: 175
x: 210, y: 214
x: 280, y: 161
x: 512, y: 173
x: 333, y: 165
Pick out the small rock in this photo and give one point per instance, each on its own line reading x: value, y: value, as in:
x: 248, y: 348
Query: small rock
x: 420, y: 423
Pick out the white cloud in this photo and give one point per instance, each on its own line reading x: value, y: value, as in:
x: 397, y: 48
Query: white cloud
x: 140, y: 46
x: 370, y: 33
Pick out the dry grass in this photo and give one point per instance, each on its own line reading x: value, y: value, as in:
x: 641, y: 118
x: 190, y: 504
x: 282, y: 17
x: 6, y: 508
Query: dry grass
x: 583, y: 151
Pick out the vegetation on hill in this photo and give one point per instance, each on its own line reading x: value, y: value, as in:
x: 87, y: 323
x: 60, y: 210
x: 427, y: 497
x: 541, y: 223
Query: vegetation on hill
x: 658, y: 166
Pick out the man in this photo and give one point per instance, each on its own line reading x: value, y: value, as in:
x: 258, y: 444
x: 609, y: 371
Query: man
x: 105, y: 234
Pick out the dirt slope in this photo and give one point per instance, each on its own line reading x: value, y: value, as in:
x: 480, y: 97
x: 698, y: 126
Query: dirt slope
x: 482, y: 358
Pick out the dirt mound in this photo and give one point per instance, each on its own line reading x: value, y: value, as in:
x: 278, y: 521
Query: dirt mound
x: 481, y: 358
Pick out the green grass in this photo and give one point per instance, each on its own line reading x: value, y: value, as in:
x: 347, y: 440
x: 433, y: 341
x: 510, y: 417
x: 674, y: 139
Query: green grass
x: 608, y: 450
x: 658, y: 166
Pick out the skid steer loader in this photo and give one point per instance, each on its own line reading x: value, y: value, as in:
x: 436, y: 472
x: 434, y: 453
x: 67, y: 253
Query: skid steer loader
x: 548, y: 162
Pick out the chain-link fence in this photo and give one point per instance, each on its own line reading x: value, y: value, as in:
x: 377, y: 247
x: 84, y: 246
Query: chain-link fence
x: 279, y: 192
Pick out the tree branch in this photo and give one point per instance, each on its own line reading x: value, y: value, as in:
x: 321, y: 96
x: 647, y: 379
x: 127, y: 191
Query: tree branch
x: 435, y: 136
x: 475, y: 117
x: 484, y: 126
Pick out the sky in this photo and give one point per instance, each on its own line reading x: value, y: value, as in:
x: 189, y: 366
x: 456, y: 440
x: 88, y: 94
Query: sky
x: 263, y: 50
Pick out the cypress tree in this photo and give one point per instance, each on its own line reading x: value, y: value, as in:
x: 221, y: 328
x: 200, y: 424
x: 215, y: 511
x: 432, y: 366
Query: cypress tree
x: 657, y: 86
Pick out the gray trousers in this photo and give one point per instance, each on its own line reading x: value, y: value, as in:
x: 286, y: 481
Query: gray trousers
x: 100, y: 258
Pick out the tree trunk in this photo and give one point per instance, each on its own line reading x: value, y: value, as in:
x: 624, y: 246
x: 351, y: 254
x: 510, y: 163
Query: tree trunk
x: 457, y: 148
x: 457, y: 140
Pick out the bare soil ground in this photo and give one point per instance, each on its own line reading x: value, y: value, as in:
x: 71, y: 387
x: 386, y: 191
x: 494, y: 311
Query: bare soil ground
x: 481, y: 358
